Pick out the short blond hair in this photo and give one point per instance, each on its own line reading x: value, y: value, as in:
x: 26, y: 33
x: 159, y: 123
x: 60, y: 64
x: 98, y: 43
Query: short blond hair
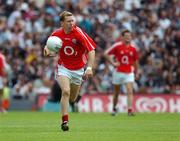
x: 64, y: 14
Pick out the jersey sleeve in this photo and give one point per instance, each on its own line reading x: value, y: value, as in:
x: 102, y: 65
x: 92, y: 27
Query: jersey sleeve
x: 55, y: 33
x: 112, y: 49
x: 85, y: 40
x: 2, y: 64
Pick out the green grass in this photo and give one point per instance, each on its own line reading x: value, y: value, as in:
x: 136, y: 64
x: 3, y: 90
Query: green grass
x: 41, y: 126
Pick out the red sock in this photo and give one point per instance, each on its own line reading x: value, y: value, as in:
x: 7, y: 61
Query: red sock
x: 129, y: 110
x: 65, y: 118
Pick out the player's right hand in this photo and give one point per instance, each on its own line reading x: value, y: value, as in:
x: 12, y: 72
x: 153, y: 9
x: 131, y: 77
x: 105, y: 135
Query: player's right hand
x: 116, y: 64
x: 46, y: 51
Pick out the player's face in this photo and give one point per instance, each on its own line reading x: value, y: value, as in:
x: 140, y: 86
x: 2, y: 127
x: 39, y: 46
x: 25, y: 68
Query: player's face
x: 68, y: 23
x: 127, y: 37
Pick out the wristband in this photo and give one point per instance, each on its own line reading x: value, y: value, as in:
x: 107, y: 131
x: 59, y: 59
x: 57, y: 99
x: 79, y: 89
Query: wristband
x: 88, y: 68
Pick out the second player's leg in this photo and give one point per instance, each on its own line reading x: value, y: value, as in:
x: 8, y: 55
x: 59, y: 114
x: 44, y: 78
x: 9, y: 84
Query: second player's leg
x: 129, y: 87
x: 1, y: 95
x: 115, y: 98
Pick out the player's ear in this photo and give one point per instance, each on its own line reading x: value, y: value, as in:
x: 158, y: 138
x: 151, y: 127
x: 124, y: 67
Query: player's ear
x: 61, y: 23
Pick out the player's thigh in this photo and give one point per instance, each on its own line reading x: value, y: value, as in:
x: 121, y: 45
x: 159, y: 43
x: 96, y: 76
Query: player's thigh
x: 64, y: 83
x: 63, y: 77
x: 77, y: 76
x: 128, y: 78
x: 1, y: 83
x: 75, y: 89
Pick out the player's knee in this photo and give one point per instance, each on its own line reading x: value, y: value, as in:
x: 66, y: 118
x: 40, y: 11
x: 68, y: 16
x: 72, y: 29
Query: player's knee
x: 130, y: 93
x: 66, y: 92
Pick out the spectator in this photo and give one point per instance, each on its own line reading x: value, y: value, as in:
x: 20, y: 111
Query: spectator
x: 155, y: 25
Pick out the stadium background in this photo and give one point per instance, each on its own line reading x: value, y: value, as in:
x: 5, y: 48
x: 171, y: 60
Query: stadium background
x: 26, y: 24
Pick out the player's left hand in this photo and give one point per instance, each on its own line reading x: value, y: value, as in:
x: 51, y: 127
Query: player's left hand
x: 87, y: 74
x: 136, y: 76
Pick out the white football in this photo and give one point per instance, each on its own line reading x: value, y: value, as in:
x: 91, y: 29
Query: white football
x: 54, y: 43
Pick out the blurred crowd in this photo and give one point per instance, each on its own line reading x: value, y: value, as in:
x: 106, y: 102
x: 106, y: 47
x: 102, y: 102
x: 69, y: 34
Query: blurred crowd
x: 26, y: 24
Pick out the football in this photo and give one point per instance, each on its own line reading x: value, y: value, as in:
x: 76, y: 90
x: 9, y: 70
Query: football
x: 54, y: 43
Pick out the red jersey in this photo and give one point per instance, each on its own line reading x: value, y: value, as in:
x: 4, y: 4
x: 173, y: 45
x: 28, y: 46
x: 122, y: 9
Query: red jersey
x: 76, y: 45
x: 2, y: 64
x: 125, y: 55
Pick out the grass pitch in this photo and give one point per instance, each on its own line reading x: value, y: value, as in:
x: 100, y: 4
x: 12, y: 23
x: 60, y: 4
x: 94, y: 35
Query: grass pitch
x: 43, y: 126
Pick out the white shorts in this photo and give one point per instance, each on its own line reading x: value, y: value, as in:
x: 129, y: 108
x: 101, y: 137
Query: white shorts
x: 75, y: 76
x: 119, y: 78
x: 1, y: 82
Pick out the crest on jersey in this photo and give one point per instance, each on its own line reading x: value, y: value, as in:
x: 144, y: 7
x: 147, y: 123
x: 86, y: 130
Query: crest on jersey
x: 74, y: 41
x: 122, y: 52
x: 131, y: 53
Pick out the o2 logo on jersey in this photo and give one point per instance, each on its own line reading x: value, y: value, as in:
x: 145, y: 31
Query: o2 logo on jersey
x: 125, y: 60
x: 68, y: 50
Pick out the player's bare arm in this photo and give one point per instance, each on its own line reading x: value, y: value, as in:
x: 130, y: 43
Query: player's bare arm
x: 136, y: 69
x: 89, y: 72
x: 110, y: 59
